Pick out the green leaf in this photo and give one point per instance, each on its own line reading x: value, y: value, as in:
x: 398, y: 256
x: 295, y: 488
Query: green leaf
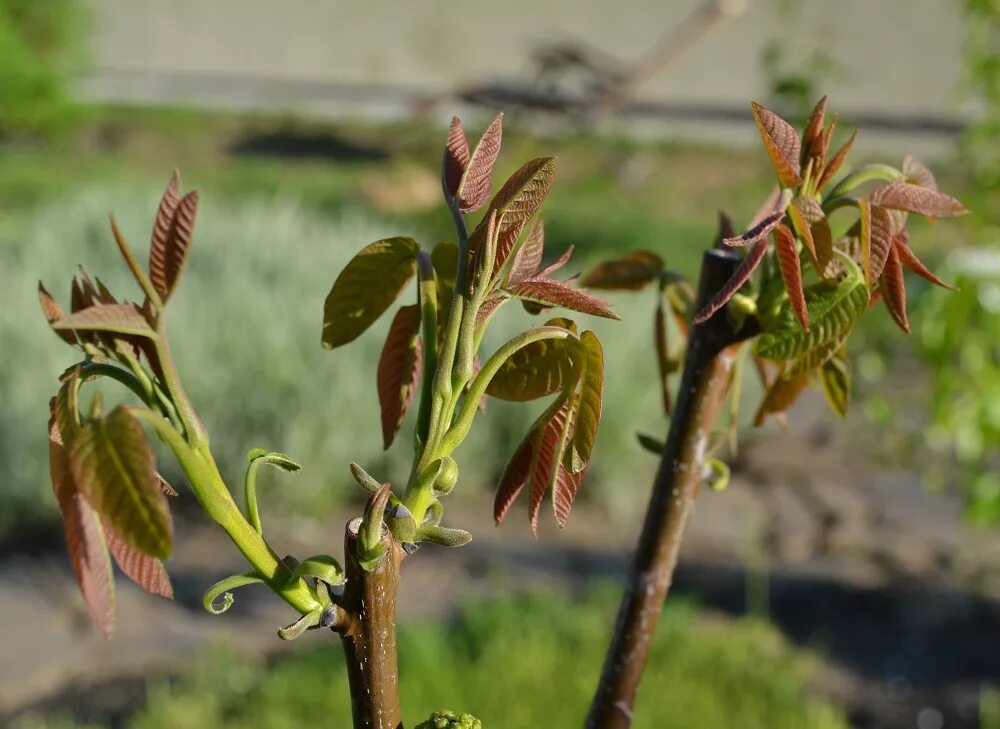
x: 113, y: 467
x: 112, y: 318
x: 588, y: 415
x: 273, y: 458
x: 536, y: 370
x: 836, y: 379
x: 443, y: 536
x: 649, y: 443
x: 834, y: 308
x: 366, y: 287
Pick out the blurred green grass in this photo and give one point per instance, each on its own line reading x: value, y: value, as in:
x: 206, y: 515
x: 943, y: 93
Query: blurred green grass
x: 519, y: 663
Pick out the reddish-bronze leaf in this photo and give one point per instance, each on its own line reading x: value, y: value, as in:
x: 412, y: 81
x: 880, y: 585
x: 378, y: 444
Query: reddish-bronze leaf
x: 549, y: 292
x: 113, y: 318
x: 631, y: 272
x: 812, y: 139
x: 456, y: 157
x: 514, y: 477
x: 876, y: 239
x: 780, y: 396
x: 556, y: 264
x: 740, y: 276
x: 591, y: 398
x: 791, y: 274
x: 894, y: 290
x: 909, y: 259
x: 168, y: 250
x: 366, y: 288
x: 528, y: 257
x: 165, y: 486
x: 489, y: 306
x: 758, y: 231
x: 782, y: 144
x: 549, y: 443
x: 53, y: 313
x: 918, y: 173
x: 803, y: 228
x: 724, y: 230
x: 564, y: 491
x: 838, y: 159
x: 113, y: 467
x: 537, y: 369
x: 474, y: 189
x: 917, y: 199
x: 145, y: 571
x: 399, y: 370
x: 84, y: 539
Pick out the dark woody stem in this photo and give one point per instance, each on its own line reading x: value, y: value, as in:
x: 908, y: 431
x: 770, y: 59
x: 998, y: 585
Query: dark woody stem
x: 708, y: 363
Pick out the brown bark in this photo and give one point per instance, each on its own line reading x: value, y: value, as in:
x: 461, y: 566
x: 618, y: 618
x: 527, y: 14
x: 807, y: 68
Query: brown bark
x: 368, y: 634
x: 707, y: 368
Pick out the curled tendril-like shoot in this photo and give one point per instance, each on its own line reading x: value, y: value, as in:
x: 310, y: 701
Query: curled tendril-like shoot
x: 307, y: 622
x: 223, y: 589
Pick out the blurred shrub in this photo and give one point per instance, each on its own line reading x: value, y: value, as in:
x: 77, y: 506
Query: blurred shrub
x: 519, y: 664
x: 982, y: 66
x: 246, y: 331
x: 40, y: 50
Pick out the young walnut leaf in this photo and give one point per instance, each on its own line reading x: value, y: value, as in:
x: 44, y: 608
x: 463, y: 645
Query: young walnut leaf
x: 514, y: 476
x: 876, y: 239
x: 835, y: 376
x: 631, y: 272
x: 84, y: 539
x: 549, y: 443
x: 564, y: 491
x: 588, y: 411
x: 399, y: 370
x: 838, y: 159
x: 366, y: 287
x: 909, y: 259
x: 791, y: 272
x: 53, y: 313
x: 807, y: 214
x: 528, y: 256
x: 548, y: 293
x: 112, y: 318
x: 171, y: 238
x: 537, y: 369
x: 474, y: 189
x: 740, y: 276
x: 113, y: 467
x: 145, y: 571
x: 893, y: 289
x: 782, y: 144
x: 781, y: 395
x: 916, y: 199
x: 456, y: 157
x: 918, y: 173
x: 812, y: 138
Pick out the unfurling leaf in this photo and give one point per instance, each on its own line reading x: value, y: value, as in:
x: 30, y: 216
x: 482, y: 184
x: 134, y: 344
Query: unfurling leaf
x: 876, y: 239
x: 113, y: 467
x: 564, y: 491
x: 456, y: 157
x: 834, y: 308
x: 84, y: 539
x: 528, y: 257
x: 366, y: 287
x: 443, y: 536
x: 782, y: 144
x: 513, y: 478
x: 631, y: 272
x: 171, y: 239
x: 474, y: 189
x: 549, y: 292
x: 145, y: 571
x: 370, y: 545
x: 53, y: 313
x: 112, y: 318
x: 548, y: 445
x: 838, y: 159
x: 917, y: 172
x: 893, y: 289
x: 756, y: 232
x: 399, y: 370
x: 813, y: 228
x: 812, y: 138
x: 780, y: 396
x: 588, y: 415
x: 836, y: 379
x: 740, y: 276
x: 909, y: 259
x: 916, y: 199
x: 537, y: 369
x: 791, y: 273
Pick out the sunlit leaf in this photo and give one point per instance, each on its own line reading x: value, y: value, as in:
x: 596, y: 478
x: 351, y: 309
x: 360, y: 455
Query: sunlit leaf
x: 909, y: 259
x: 112, y: 318
x: 740, y: 276
x: 782, y: 144
x: 588, y: 414
x: 113, y: 467
x: 631, y: 272
x: 528, y: 257
x: 876, y: 239
x: 366, y: 287
x: 514, y: 476
x: 834, y: 164
x: 893, y: 289
x: 536, y: 370
x: 398, y: 373
x: 917, y: 199
x: 474, y: 189
x: 456, y: 157
x: 918, y: 173
x: 549, y: 293
x: 564, y: 491
x: 145, y: 571
x: 53, y: 313
x: 171, y: 239
x: 549, y: 444
x: 791, y: 273
x: 757, y: 232
x: 812, y: 138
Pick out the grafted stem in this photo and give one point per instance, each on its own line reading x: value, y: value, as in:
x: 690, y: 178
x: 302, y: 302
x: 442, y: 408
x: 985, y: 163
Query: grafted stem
x: 707, y: 366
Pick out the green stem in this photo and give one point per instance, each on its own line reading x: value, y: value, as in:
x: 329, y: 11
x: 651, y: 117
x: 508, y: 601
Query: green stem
x: 101, y: 369
x: 206, y: 482
x: 196, y: 434
x: 861, y: 176
x: 427, y: 295
x: 250, y: 495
